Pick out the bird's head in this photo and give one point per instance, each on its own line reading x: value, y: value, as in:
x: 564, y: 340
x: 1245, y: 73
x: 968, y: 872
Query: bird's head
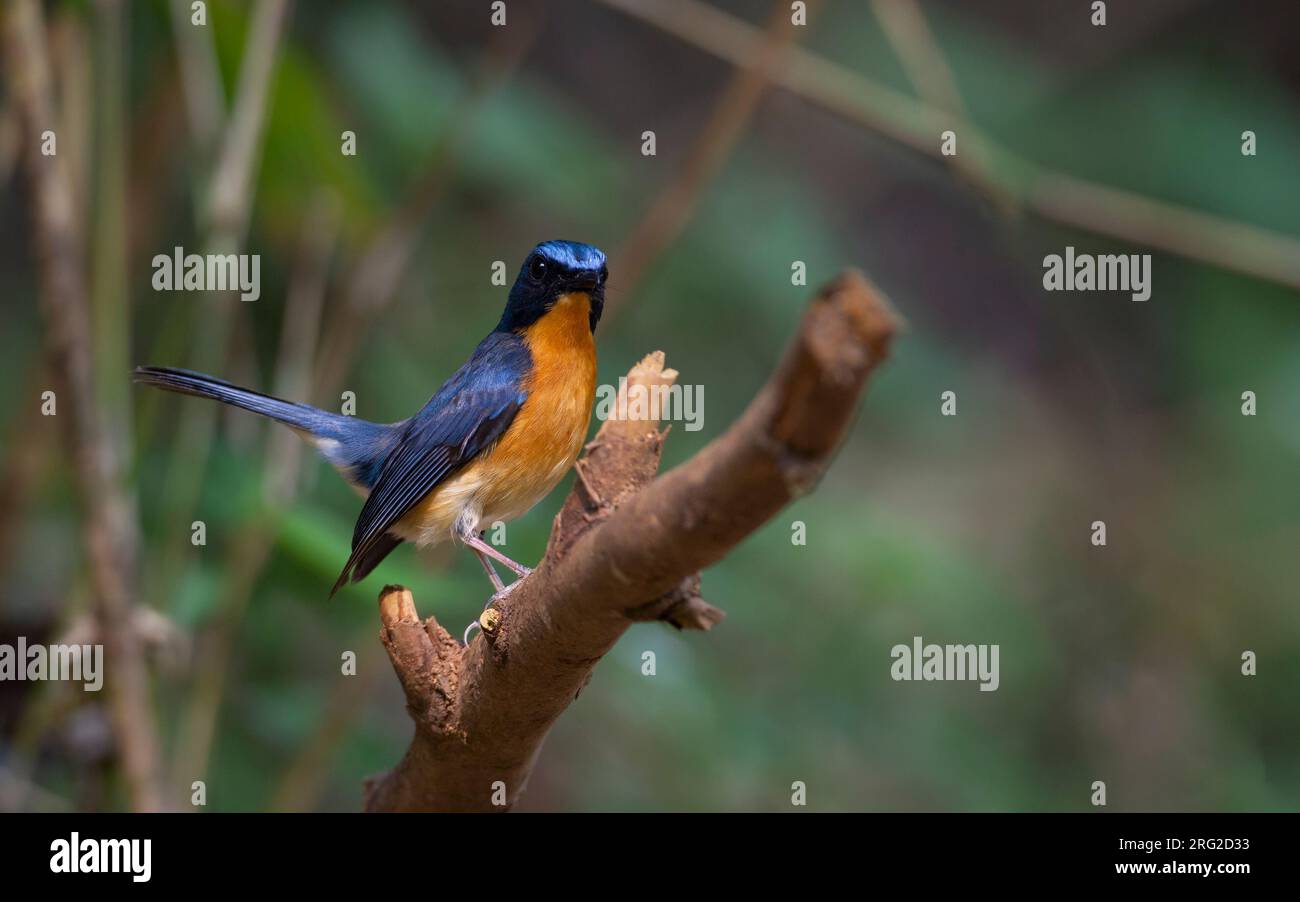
x: 556, y: 272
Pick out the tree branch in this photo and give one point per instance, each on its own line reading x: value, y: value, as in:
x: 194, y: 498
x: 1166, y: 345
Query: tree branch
x: 624, y: 548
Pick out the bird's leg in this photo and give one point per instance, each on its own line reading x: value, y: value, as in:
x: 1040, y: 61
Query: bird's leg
x: 491, y: 571
x: 481, y: 547
x: 486, y: 554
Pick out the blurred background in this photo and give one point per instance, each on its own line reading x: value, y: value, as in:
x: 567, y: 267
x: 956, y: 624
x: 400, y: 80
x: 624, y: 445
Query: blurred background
x: 775, y: 143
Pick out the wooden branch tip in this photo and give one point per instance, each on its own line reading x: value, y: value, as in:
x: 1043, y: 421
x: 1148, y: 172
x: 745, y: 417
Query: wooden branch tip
x: 851, y: 307
x: 647, y: 376
x: 490, y: 619
x: 397, y: 605
x: 695, y: 614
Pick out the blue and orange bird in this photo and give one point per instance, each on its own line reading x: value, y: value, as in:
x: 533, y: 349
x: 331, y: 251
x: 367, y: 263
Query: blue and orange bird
x: 492, y: 441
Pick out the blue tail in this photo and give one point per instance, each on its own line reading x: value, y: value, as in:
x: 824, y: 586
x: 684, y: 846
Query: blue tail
x: 356, y: 448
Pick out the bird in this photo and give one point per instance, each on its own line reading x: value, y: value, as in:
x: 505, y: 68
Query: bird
x: 489, y: 445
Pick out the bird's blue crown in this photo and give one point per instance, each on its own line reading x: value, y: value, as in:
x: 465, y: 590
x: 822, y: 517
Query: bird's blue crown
x: 572, y: 254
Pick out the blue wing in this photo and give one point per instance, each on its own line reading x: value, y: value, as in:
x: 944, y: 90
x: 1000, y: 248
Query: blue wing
x: 467, y: 415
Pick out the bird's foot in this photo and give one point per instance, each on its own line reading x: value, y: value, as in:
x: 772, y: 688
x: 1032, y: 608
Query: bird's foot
x: 502, y: 593
x: 497, y: 597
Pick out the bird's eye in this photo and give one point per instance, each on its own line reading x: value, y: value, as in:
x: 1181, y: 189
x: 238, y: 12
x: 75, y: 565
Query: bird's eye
x: 537, y: 269
x: 604, y: 274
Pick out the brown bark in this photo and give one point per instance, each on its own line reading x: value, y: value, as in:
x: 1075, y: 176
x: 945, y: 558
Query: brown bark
x: 625, y: 547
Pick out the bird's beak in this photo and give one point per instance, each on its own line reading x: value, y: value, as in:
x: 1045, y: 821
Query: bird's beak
x: 587, y: 280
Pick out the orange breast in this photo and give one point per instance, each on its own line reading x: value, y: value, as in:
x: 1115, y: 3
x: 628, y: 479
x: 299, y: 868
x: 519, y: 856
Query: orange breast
x: 541, y: 443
